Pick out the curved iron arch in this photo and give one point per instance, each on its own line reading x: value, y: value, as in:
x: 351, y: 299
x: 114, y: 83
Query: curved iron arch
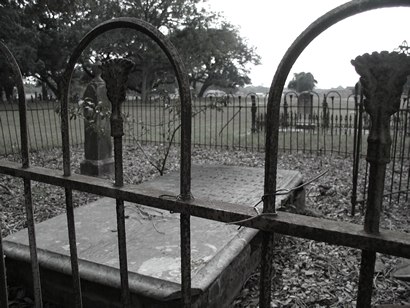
x: 183, y: 83
x: 273, y: 114
x: 18, y: 79
x: 186, y: 113
x: 292, y: 54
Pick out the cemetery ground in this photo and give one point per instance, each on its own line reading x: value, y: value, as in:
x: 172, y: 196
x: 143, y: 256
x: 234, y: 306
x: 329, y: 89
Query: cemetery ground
x: 307, y: 273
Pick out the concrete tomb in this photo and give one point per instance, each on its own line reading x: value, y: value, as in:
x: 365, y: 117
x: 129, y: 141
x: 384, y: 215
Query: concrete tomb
x: 223, y: 256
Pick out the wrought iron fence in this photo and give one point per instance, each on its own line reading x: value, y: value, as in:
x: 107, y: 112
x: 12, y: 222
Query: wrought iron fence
x: 322, y: 124
x: 44, y: 126
x: 238, y: 122
x: 325, y: 123
x: 398, y: 170
x: 370, y: 240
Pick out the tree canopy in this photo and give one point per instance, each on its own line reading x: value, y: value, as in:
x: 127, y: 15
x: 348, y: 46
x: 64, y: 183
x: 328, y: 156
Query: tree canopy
x: 42, y: 35
x: 302, y: 82
x: 215, y: 55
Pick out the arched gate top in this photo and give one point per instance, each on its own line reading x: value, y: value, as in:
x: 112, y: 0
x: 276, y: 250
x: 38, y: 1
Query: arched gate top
x: 182, y: 77
x: 292, y: 54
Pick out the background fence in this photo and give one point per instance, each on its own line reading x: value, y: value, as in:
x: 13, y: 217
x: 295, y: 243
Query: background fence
x: 331, y: 123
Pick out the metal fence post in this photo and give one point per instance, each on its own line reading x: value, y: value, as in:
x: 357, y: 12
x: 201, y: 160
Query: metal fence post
x: 253, y: 114
x: 115, y: 74
x: 357, y: 141
x: 382, y: 77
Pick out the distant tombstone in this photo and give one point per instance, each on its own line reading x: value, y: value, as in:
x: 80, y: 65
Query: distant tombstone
x: 97, y: 138
x: 305, y: 106
x: 305, y: 112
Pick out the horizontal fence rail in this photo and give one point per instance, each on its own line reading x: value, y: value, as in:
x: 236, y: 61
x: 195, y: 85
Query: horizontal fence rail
x: 329, y: 231
x: 301, y: 119
x: 312, y: 123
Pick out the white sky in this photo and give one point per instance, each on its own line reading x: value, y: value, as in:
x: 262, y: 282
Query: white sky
x: 272, y: 25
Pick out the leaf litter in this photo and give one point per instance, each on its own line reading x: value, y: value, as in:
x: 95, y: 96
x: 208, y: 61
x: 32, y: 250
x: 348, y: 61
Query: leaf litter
x: 307, y: 273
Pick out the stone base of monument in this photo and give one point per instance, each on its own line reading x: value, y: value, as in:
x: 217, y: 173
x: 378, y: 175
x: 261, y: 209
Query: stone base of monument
x: 97, y: 167
x: 223, y: 256
x: 308, y: 125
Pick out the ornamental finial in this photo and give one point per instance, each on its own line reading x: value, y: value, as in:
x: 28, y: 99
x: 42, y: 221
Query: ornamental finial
x: 382, y: 76
x: 115, y: 74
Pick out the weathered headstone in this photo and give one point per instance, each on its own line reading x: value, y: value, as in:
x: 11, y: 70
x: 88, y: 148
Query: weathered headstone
x: 305, y: 106
x: 97, y: 140
x: 305, y: 112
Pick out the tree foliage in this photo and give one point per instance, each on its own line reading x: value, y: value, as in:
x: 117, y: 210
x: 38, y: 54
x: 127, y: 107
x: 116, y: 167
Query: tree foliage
x: 215, y: 55
x: 302, y: 82
x: 42, y: 35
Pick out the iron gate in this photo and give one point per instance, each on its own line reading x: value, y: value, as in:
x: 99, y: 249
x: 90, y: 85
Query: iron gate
x: 370, y: 240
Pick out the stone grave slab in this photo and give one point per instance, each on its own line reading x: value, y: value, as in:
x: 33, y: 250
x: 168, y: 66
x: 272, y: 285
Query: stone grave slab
x: 223, y: 256
x: 402, y: 270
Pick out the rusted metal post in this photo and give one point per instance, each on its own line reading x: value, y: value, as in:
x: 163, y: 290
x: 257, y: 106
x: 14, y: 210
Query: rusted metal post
x: 325, y: 108
x: 253, y: 114
x: 3, y: 280
x: 383, y: 76
x: 115, y: 74
x: 357, y: 141
x: 185, y: 229
x: 186, y: 107
x: 285, y: 113
x: 38, y: 302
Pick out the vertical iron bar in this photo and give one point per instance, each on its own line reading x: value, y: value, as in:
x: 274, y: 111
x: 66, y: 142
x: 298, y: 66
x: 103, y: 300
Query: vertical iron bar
x: 115, y: 74
x: 185, y: 188
x: 35, y: 269
x: 304, y: 133
x: 39, y: 124
x: 402, y: 148
x: 408, y: 178
x: 210, y: 122
x: 73, y: 248
x: 332, y: 124
x: 27, y: 184
x: 227, y: 121
x: 49, y: 122
x: 9, y: 127
x: 199, y: 102
x: 45, y: 123
x: 65, y: 135
x: 147, y: 127
x: 357, y: 141
x: 394, y: 150
x: 185, y: 230
x: 122, y: 248
x: 15, y: 132
x: 3, y: 277
x: 340, y: 124
x: 366, y: 279
x: 34, y: 129
x: 29, y: 205
x: 216, y: 123
x: 3, y: 138
x: 298, y: 118
x: 77, y: 130
x: 266, y: 271
x: 57, y: 125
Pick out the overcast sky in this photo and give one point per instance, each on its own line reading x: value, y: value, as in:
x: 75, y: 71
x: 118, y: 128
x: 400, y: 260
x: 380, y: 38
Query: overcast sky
x: 272, y: 26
